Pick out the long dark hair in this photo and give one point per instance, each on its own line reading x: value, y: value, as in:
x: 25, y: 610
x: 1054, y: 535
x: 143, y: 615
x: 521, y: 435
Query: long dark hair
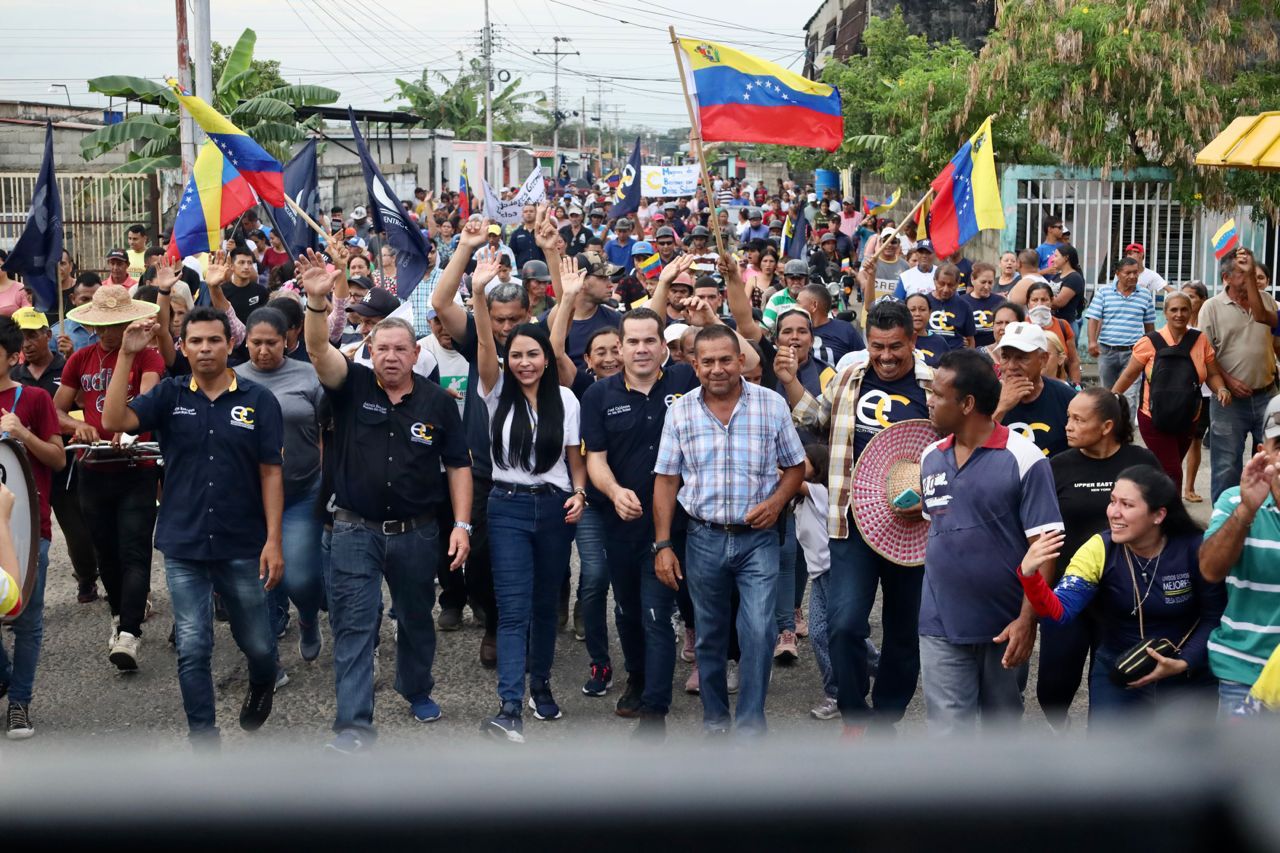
x: 1159, y: 492
x: 536, y: 450
x: 1072, y: 256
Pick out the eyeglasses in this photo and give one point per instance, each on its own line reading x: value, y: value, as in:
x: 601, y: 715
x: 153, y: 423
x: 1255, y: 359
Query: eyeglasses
x: 666, y: 242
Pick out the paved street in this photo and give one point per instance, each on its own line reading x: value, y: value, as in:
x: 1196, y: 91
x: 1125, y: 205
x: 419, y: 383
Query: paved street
x: 79, y: 694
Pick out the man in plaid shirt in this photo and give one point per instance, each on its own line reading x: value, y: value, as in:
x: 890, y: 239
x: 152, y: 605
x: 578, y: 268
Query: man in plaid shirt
x: 727, y: 440
x: 861, y: 401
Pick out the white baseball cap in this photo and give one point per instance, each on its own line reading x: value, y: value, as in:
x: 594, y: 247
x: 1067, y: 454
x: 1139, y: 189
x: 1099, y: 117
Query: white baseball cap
x: 1027, y: 337
x: 1271, y: 420
x: 672, y: 333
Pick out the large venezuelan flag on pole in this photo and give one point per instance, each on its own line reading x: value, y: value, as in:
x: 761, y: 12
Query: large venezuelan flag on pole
x: 741, y: 98
x: 966, y: 195
x: 262, y: 171
x: 215, y: 196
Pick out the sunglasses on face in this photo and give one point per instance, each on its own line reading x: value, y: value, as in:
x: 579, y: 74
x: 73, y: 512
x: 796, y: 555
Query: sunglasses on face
x: 666, y: 242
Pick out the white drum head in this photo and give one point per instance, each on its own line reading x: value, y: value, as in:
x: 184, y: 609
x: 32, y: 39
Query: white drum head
x: 15, y: 472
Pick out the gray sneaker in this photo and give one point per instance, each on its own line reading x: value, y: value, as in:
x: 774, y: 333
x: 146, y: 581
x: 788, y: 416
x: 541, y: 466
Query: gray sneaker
x: 825, y: 710
x: 731, y: 676
x: 124, y: 654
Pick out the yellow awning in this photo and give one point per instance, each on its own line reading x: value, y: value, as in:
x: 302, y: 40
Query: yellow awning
x: 1249, y: 142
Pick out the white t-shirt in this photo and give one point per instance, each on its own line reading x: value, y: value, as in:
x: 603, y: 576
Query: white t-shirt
x: 1151, y: 280
x: 914, y: 281
x: 558, y: 476
x: 426, y: 363
x: 454, y: 369
x: 811, y: 530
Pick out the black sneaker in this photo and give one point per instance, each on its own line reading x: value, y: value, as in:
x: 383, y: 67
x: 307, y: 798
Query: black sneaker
x: 87, y: 593
x: 542, y: 702
x: 450, y: 619
x: 220, y: 613
x: 257, y: 706
x: 508, y: 725
x: 629, y: 702
x: 19, y: 726
x: 600, y: 681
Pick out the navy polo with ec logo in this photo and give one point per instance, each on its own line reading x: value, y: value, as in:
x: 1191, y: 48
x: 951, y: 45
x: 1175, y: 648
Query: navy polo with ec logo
x: 212, y: 507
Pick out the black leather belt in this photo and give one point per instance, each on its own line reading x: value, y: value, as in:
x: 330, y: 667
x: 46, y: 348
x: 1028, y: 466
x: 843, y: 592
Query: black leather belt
x: 724, y: 528
x: 526, y: 489
x: 393, y: 527
x: 1120, y: 349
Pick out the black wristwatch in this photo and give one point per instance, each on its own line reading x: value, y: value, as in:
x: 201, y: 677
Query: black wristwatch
x: 658, y: 546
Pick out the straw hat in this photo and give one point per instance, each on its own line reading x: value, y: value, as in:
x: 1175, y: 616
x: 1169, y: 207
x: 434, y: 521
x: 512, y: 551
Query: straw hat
x: 112, y: 306
x: 888, y: 465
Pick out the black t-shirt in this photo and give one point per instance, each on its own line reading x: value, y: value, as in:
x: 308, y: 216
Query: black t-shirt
x: 524, y: 247
x: 1072, y: 309
x: 950, y: 320
x: 476, y: 417
x: 932, y: 347
x: 1084, y: 491
x: 50, y: 380
x: 580, y: 331
x: 984, y: 317
x: 245, y: 300
x: 574, y: 244
x: 1044, y: 419
x: 840, y: 337
x: 389, y: 455
x: 882, y: 403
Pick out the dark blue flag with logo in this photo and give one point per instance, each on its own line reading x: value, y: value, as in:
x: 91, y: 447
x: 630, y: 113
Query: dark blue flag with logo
x: 798, y: 238
x: 389, y: 217
x: 36, y: 254
x: 562, y: 174
x: 302, y: 185
x: 627, y: 198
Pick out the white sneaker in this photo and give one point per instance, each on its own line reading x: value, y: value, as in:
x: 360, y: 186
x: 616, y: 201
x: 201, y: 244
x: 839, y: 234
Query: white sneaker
x: 124, y: 654
x: 825, y: 710
x: 731, y: 676
x: 115, y: 633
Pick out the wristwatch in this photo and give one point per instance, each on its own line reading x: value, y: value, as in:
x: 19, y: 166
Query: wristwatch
x: 580, y: 491
x: 462, y: 525
x: 658, y: 546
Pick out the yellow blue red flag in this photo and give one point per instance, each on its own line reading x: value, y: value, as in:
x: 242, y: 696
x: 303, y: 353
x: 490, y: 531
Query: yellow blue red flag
x: 966, y: 195
x: 262, y: 171
x: 216, y: 194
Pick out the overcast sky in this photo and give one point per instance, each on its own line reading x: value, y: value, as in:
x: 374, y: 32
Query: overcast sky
x: 359, y: 49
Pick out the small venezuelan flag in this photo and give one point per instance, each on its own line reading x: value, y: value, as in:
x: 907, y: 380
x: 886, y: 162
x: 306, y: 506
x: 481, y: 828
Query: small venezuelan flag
x: 871, y: 207
x: 262, y: 171
x: 742, y: 98
x: 215, y: 196
x: 464, y: 192
x: 649, y: 267
x: 1227, y: 240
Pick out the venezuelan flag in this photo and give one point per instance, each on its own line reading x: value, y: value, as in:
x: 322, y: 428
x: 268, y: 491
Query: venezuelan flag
x: 966, y: 195
x: 1226, y: 240
x: 262, y: 171
x: 613, y: 179
x: 650, y: 266
x: 215, y: 196
x: 871, y: 207
x: 464, y: 192
x: 742, y: 98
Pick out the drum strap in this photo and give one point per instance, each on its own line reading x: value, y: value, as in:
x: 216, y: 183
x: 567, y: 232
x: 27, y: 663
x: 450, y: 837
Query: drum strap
x: 17, y: 395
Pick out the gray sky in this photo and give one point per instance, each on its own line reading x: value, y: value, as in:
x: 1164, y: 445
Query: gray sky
x: 360, y: 48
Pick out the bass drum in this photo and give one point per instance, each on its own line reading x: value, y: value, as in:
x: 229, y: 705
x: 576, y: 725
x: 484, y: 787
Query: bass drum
x: 24, y: 524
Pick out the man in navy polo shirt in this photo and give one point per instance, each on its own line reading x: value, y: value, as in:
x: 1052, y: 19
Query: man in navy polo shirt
x: 1031, y: 404
x: 622, y: 420
x: 220, y: 436
x: 987, y: 493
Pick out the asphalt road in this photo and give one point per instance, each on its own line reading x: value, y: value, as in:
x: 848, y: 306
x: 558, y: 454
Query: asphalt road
x: 80, y: 695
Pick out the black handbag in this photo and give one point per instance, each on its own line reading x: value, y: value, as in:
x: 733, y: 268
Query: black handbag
x: 1134, y: 663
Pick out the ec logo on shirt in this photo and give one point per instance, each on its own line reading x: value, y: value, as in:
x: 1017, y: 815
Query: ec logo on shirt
x: 422, y: 433
x: 671, y: 398
x: 940, y: 321
x: 1028, y: 431
x: 874, y: 407
x: 983, y: 319
x: 242, y: 416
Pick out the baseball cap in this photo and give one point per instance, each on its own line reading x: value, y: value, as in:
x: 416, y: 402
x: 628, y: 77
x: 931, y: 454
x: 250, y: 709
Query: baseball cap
x: 665, y: 231
x: 495, y: 229
x: 593, y: 265
x: 925, y: 246
x: 1027, y: 337
x: 683, y: 280
x: 887, y: 232
x: 1270, y: 420
x: 700, y: 231
x: 673, y: 333
x: 644, y: 247
x: 359, y: 212
x: 829, y: 235
x: 596, y: 212
x: 378, y: 302
x: 29, y: 319
x: 776, y: 223
x: 118, y: 255
x: 624, y: 224
x: 795, y: 267
x: 755, y: 214
x: 658, y: 217
x: 1135, y: 247
x: 535, y: 270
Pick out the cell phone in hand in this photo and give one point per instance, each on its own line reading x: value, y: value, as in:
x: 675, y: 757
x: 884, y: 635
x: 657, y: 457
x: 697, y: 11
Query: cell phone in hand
x: 906, y: 499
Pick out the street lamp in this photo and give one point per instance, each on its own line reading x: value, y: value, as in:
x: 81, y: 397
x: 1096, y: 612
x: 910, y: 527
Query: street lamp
x: 53, y: 87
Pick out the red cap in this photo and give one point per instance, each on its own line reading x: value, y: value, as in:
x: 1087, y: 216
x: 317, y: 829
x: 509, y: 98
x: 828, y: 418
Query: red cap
x: 1135, y: 247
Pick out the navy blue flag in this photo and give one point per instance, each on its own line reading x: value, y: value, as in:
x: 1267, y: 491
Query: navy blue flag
x: 627, y: 199
x: 562, y: 174
x: 36, y: 255
x: 301, y: 185
x: 389, y: 217
x: 798, y: 242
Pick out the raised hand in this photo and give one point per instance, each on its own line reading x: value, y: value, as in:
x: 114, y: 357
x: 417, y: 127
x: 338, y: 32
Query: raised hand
x: 729, y: 269
x: 785, y: 365
x: 545, y: 232
x: 1255, y: 482
x: 571, y: 280
x: 338, y: 250
x: 219, y: 270
x: 1045, y: 549
x: 680, y: 264
x: 473, y: 235
x: 313, y: 275
x: 699, y: 311
x: 167, y: 274
x: 138, y: 336
x: 486, y: 271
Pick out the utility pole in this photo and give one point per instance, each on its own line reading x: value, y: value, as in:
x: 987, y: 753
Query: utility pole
x: 600, y: 121
x: 186, y: 125
x: 555, y: 96
x: 487, y: 50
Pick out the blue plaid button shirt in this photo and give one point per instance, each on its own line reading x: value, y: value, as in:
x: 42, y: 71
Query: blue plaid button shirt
x: 728, y: 469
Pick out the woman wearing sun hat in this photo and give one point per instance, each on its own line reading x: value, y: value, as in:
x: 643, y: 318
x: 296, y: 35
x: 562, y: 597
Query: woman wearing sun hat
x: 117, y: 498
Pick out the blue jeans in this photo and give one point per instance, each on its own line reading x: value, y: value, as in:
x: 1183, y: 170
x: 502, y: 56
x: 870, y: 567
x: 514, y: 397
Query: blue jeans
x: 716, y: 564
x: 1230, y: 695
x: 642, y: 613
x: 1111, y: 363
x: 360, y: 559
x: 1229, y: 426
x: 191, y: 583
x: 1111, y: 704
x: 303, y: 583
x: 593, y: 583
x: 855, y: 573
x: 529, y: 545
x: 819, y: 635
x: 784, y: 605
x: 28, y: 632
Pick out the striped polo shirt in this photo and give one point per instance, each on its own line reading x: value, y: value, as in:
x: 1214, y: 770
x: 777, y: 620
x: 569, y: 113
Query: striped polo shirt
x: 1122, y: 316
x: 1250, y: 627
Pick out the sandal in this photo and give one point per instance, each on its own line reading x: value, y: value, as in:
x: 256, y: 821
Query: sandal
x: 1192, y: 498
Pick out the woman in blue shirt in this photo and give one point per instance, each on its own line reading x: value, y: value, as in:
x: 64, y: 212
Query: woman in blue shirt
x: 929, y: 346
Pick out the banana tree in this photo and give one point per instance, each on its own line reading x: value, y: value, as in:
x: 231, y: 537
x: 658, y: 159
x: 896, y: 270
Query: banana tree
x: 458, y: 103
x: 153, y: 138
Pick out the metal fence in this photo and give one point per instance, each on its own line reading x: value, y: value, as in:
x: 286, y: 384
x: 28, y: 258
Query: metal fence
x: 97, y: 211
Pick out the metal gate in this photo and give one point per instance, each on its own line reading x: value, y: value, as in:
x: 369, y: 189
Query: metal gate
x: 97, y: 210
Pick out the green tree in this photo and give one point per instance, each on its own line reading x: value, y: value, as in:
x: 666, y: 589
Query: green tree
x: 458, y: 104
x: 249, y: 92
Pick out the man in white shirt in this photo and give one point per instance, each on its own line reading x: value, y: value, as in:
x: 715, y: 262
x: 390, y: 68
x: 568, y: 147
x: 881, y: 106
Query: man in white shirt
x: 1149, y: 280
x: 918, y: 279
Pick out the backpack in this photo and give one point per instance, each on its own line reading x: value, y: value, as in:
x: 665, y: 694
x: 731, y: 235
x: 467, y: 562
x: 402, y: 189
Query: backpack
x: 1174, y: 394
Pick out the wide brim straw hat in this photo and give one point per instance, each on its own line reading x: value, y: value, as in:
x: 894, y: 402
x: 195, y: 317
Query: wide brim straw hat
x: 890, y: 464
x: 112, y: 306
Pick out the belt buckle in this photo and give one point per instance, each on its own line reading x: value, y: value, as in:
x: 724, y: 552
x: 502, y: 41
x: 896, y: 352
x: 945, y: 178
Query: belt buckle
x: 392, y: 528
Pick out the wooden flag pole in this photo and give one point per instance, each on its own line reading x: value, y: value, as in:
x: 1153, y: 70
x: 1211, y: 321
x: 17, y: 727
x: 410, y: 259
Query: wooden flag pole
x: 695, y: 137
x: 315, y: 225
x: 905, y: 220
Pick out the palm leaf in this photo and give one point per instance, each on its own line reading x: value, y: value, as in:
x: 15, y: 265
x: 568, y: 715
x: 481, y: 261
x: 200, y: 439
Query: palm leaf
x: 303, y: 96
x: 133, y: 88
x: 261, y: 108
x: 147, y: 165
x: 239, y: 60
x: 147, y: 126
